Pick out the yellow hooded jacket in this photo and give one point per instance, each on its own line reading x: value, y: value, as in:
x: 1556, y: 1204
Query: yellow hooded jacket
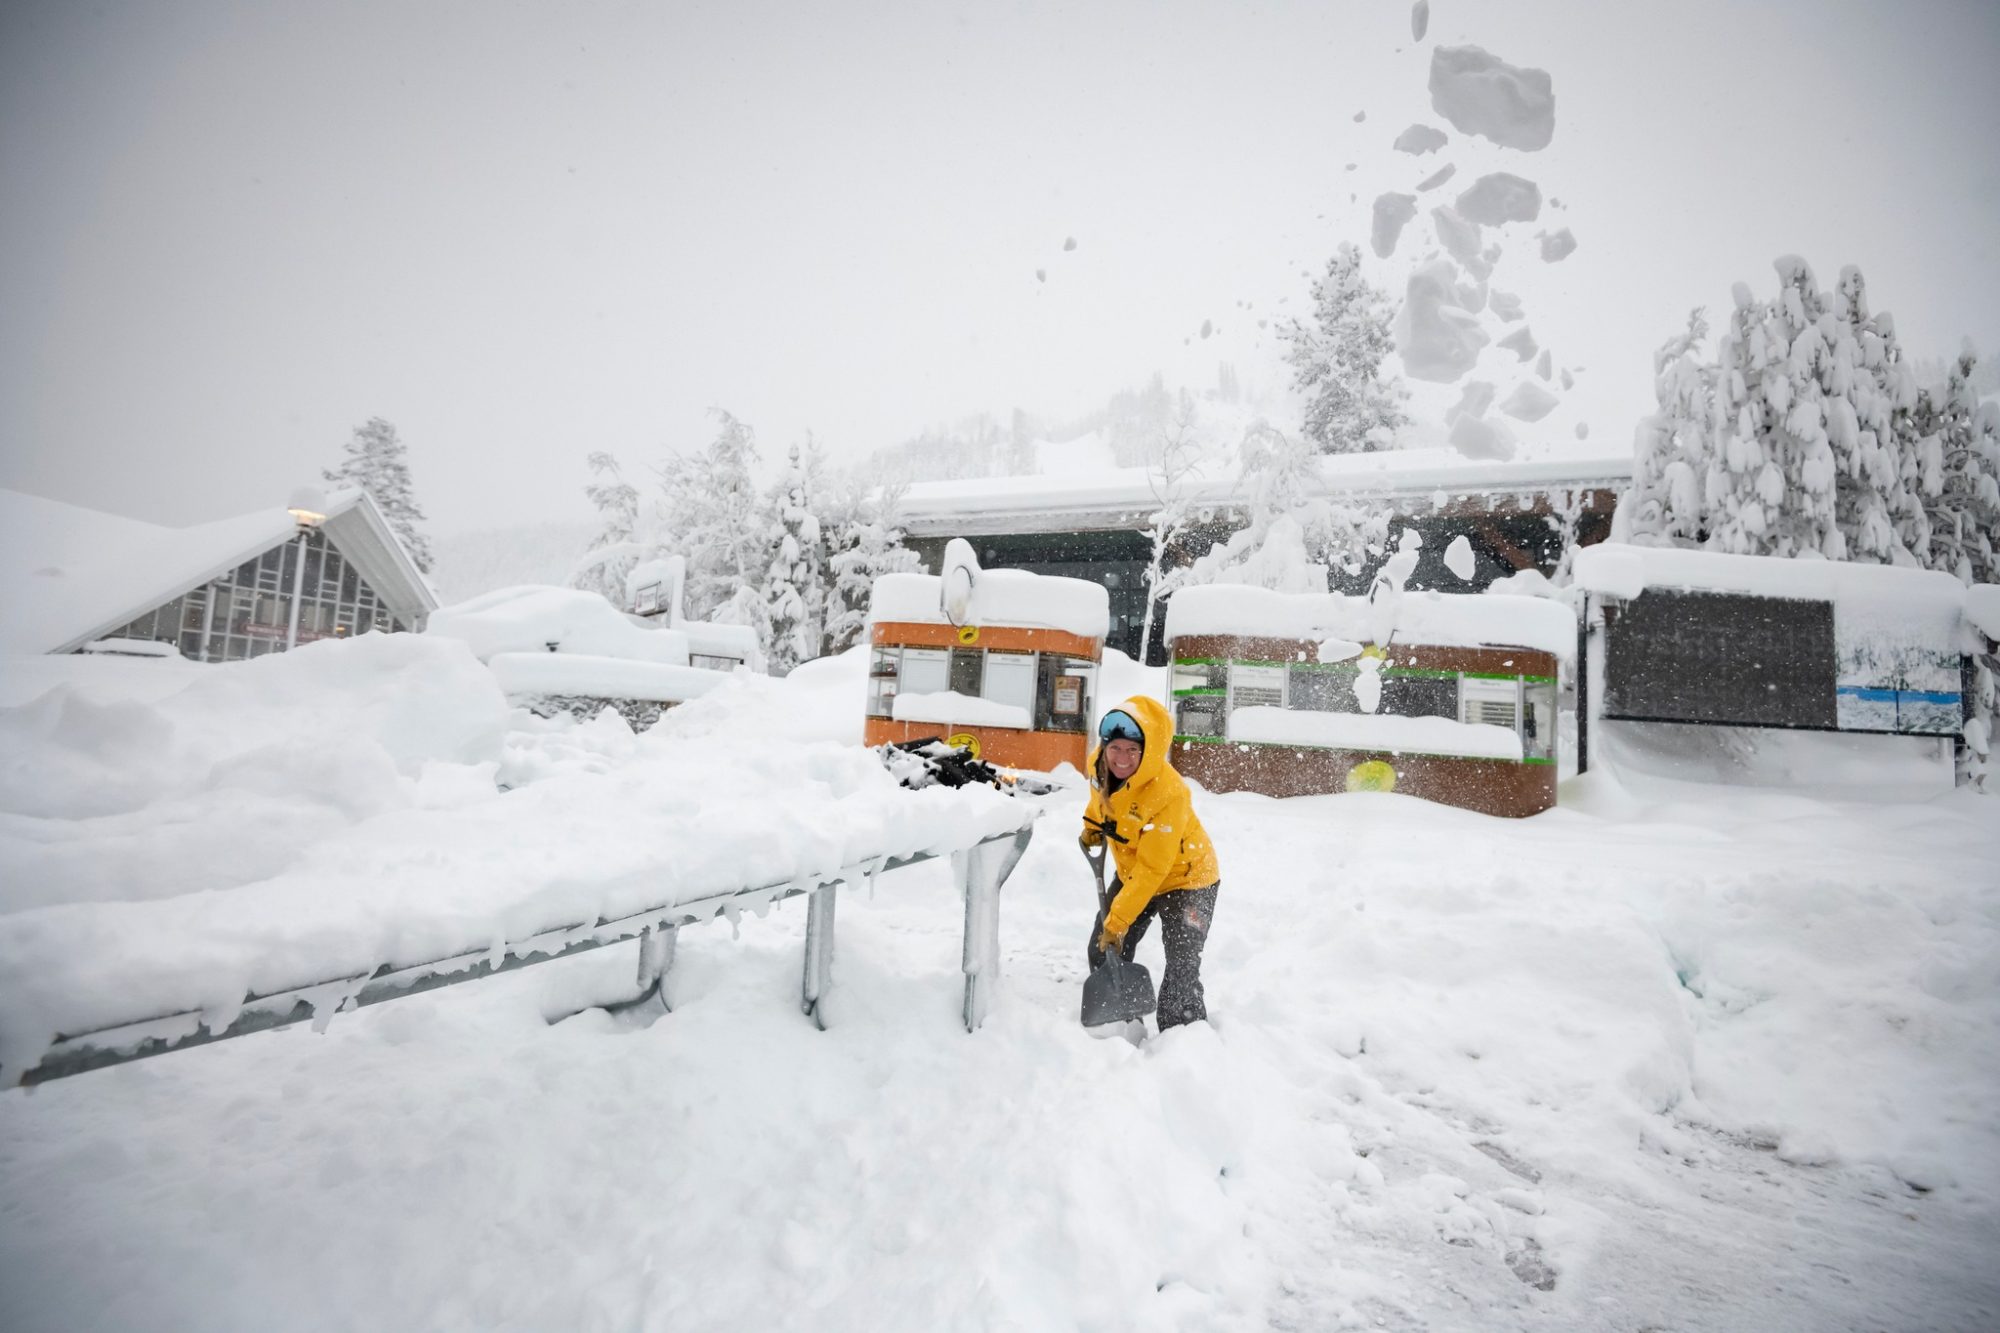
x: 1156, y: 841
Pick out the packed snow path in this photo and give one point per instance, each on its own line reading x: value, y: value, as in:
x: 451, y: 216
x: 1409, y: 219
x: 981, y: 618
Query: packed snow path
x: 1674, y: 1056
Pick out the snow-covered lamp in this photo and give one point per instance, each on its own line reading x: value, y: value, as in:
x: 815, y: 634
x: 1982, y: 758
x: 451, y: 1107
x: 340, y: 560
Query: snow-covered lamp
x: 308, y: 506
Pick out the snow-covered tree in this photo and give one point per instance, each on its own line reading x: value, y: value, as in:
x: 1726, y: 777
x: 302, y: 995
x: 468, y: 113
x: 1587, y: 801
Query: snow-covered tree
x: 1802, y: 452
x: 1292, y: 531
x: 616, y: 548
x: 1170, y: 479
x: 1955, y: 455
x: 1336, y: 361
x: 795, y: 589
x: 721, y: 525
x: 374, y: 461
x: 865, y: 541
x: 1664, y: 504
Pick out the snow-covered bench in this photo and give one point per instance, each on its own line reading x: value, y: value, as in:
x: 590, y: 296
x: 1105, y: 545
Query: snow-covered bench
x: 70, y: 983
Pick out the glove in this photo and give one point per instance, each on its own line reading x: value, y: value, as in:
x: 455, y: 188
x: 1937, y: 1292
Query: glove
x: 1107, y: 942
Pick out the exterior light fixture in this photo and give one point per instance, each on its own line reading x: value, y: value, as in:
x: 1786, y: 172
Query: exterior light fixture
x: 308, y: 506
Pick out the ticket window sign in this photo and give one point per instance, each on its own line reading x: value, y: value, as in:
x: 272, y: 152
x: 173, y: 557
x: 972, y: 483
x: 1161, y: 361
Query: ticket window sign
x: 1254, y: 686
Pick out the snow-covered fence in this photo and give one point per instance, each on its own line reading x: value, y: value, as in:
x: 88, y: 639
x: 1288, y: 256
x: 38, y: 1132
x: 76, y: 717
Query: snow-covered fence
x: 979, y: 869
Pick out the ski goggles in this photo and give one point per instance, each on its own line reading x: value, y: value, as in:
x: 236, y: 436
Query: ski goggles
x: 1120, y: 726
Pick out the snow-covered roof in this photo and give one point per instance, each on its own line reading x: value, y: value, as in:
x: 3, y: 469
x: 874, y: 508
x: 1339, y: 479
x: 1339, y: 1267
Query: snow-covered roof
x: 1123, y: 497
x: 1442, y: 619
x: 69, y: 575
x: 999, y: 597
x: 1619, y: 570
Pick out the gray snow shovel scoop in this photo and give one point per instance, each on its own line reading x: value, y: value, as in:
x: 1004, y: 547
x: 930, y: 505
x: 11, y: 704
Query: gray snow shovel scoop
x: 1117, y: 991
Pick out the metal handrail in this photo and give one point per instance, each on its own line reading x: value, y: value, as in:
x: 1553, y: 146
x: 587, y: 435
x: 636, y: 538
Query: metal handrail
x: 120, y: 1043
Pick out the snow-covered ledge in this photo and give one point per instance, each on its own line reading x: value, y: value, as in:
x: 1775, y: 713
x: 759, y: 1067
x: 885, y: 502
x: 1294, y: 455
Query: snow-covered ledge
x: 948, y: 708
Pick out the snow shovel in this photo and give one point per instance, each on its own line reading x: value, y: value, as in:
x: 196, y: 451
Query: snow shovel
x: 1116, y: 991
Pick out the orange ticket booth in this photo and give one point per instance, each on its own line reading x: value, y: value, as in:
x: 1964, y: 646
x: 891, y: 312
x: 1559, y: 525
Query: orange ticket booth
x: 1012, y: 675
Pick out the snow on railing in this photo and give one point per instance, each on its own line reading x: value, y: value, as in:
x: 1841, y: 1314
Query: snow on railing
x: 979, y: 869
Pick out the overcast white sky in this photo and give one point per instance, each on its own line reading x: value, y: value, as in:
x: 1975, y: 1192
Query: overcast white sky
x: 231, y: 232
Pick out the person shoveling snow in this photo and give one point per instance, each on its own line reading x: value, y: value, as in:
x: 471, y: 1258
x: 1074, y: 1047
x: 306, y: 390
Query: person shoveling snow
x: 1142, y: 811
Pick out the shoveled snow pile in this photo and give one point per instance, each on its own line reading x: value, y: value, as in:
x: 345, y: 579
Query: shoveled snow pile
x: 1479, y: 93
x: 1675, y: 1054
x: 167, y: 777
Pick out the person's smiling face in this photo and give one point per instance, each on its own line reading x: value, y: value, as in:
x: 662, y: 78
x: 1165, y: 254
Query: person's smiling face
x: 1122, y: 758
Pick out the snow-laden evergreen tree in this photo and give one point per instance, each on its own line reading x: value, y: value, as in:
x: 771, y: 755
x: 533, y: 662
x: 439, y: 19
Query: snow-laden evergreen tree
x: 865, y: 541
x: 374, y: 461
x: 1292, y: 532
x: 1336, y: 361
x: 616, y: 548
x: 795, y: 588
x: 1802, y: 452
x: 1955, y: 455
x: 1664, y: 505
x: 723, y: 528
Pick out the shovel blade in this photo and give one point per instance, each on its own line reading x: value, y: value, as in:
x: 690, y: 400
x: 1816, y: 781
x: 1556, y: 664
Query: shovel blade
x: 1117, y: 992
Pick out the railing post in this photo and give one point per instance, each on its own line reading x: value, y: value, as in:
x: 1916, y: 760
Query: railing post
x: 819, y: 954
x: 980, y: 872
x: 656, y: 959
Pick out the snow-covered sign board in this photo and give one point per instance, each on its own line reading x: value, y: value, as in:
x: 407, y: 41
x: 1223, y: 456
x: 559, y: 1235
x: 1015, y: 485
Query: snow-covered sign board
x: 1000, y: 661
x: 1690, y: 636
x: 1448, y: 697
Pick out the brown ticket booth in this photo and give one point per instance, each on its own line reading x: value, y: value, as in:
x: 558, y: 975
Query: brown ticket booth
x: 1212, y: 675
x: 1047, y: 678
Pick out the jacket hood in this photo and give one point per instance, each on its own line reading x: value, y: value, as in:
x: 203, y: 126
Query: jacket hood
x: 1158, y: 728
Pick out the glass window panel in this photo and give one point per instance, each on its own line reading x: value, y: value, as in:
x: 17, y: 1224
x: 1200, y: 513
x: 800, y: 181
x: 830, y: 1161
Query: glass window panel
x: 1009, y: 678
x: 967, y: 665
x: 1419, y: 696
x: 1323, y: 691
x: 350, y: 583
x: 926, y: 670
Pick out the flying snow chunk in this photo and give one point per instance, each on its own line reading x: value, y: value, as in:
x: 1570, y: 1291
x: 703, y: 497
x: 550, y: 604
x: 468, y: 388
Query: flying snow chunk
x: 1473, y: 401
x: 1437, y: 340
x: 1583, y: 430
x: 1529, y: 402
x: 1437, y: 178
x: 1460, y: 240
x: 1069, y: 242
x: 1360, y: 116
x: 1393, y: 212
x: 1545, y: 366
x: 1569, y: 380
x: 1521, y: 342
x: 1499, y: 198
x: 1478, y: 438
x: 1458, y: 557
x: 1556, y: 245
x: 1041, y: 275
x: 1420, y: 139
x: 1207, y: 327
x: 1506, y: 305
x: 1420, y: 19
x: 1479, y: 93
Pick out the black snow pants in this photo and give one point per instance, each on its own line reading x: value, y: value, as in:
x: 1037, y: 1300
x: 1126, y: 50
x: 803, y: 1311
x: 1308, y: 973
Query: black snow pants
x: 1185, y: 916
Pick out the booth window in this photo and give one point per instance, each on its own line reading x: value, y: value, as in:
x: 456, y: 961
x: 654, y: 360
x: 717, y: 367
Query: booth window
x: 1063, y: 692
x: 1256, y: 685
x: 1320, y: 690
x: 1009, y: 678
x: 966, y: 671
x: 1199, y: 676
x: 1494, y: 703
x: 1538, y: 720
x: 1198, y: 715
